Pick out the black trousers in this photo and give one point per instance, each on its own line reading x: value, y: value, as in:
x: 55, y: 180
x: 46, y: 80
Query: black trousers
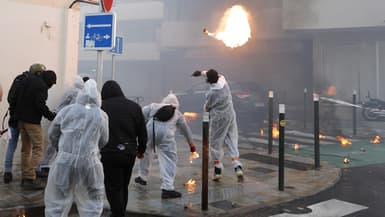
x: 117, y: 173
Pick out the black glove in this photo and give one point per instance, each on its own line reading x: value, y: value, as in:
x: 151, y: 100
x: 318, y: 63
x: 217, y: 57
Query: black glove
x: 196, y: 74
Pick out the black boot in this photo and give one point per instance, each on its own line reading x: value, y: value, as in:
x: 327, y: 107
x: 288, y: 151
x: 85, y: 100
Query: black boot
x: 168, y: 194
x: 30, y: 184
x: 7, y: 177
x: 139, y: 180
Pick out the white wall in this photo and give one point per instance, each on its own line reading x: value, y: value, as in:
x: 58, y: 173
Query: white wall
x: 327, y: 14
x: 25, y: 39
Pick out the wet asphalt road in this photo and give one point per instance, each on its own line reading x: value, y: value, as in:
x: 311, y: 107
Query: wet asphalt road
x: 364, y: 186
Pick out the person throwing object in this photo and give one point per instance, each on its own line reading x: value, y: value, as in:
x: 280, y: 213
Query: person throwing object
x: 223, y: 123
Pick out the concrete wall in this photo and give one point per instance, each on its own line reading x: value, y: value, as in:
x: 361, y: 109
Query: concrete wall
x: 38, y: 31
x: 330, y: 14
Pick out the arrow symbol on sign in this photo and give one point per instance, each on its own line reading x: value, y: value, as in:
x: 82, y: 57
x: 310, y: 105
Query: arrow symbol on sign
x: 106, y: 36
x: 97, y: 25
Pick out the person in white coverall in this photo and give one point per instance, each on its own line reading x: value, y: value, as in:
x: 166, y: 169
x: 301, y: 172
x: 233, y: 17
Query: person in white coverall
x: 223, y: 124
x: 68, y: 98
x: 78, y: 132
x: 165, y: 145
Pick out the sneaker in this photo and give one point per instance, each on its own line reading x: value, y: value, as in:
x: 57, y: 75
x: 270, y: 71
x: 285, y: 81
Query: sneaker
x: 30, y: 184
x: 217, y: 174
x: 166, y: 194
x: 7, y: 177
x: 140, y: 181
x: 239, y: 172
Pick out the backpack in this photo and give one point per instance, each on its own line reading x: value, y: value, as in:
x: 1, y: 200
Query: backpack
x: 16, y: 88
x: 163, y: 114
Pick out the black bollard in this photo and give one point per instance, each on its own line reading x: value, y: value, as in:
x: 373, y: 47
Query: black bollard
x: 205, y: 161
x: 354, y: 114
x: 316, y: 131
x: 270, y: 118
x: 281, y: 157
x: 304, y: 107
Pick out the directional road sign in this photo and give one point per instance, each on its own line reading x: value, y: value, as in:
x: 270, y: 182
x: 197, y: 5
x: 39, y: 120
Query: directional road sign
x: 99, y: 31
x: 118, y: 49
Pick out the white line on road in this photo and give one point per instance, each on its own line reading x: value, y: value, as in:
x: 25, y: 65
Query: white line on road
x: 329, y: 208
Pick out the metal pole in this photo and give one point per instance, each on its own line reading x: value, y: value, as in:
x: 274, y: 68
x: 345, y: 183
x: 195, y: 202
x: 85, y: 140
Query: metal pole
x: 316, y: 131
x: 113, y: 67
x: 270, y: 124
x: 281, y: 157
x: 100, y: 69
x: 354, y: 113
x: 304, y: 107
x: 205, y: 161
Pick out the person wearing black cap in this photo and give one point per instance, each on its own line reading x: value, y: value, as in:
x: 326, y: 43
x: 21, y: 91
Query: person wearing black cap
x: 223, y: 123
x: 29, y: 110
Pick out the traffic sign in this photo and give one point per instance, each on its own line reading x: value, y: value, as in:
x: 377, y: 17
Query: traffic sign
x: 99, y: 31
x: 107, y: 5
x: 118, y: 49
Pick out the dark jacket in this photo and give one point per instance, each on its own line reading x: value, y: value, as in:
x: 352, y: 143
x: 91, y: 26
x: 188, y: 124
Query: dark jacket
x: 16, y: 88
x: 31, y: 104
x: 126, y: 122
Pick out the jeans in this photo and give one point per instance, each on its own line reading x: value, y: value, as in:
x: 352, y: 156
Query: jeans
x: 11, y: 147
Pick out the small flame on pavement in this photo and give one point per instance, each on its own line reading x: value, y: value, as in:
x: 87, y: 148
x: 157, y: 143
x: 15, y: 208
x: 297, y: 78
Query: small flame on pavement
x: 194, y: 155
x: 321, y: 136
x: 234, y: 29
x: 275, y: 131
x: 346, y: 160
x: 344, y: 142
x: 376, y: 140
x: 190, y: 185
x: 296, y: 146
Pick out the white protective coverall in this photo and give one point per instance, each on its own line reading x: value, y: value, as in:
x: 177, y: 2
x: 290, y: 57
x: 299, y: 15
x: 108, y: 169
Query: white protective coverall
x: 223, y: 123
x: 166, y: 147
x: 68, y: 98
x: 78, y: 131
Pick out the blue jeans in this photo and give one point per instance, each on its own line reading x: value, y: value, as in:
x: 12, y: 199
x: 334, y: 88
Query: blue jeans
x: 12, y: 144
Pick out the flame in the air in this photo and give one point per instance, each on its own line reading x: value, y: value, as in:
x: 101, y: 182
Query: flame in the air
x: 234, y: 29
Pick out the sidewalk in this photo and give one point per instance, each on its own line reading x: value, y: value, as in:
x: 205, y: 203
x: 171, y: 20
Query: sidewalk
x: 226, y: 198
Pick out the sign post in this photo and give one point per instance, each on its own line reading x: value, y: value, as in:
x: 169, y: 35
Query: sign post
x: 117, y: 50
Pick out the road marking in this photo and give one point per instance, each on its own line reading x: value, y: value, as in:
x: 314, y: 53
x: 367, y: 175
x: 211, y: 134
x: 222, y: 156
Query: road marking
x: 329, y: 208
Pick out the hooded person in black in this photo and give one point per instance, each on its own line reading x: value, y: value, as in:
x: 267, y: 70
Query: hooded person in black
x: 29, y: 110
x: 127, y: 140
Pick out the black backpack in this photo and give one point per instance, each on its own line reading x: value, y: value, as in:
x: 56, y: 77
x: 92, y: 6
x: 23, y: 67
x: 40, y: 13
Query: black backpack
x: 163, y: 114
x: 16, y: 88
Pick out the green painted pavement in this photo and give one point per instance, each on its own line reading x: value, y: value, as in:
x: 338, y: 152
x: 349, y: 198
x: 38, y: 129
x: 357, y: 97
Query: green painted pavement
x: 359, y: 153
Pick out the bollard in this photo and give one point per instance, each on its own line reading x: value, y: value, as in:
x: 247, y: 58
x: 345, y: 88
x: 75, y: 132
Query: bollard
x: 281, y: 157
x: 354, y: 113
x: 316, y: 131
x: 304, y: 107
x: 205, y: 161
x: 270, y: 124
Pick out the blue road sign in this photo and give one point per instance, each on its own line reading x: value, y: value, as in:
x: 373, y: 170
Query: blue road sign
x: 118, y: 49
x: 99, y: 31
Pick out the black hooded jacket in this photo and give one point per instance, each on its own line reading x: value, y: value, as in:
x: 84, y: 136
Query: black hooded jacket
x: 31, y: 103
x: 126, y: 121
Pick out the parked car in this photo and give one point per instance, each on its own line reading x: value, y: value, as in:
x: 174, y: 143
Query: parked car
x: 249, y: 102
